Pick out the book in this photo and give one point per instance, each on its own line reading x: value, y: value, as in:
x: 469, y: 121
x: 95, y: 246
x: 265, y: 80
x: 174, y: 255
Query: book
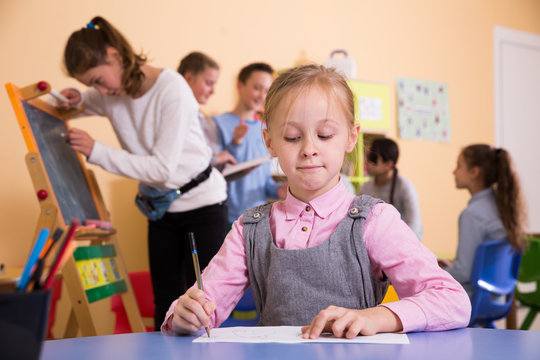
x: 235, y: 172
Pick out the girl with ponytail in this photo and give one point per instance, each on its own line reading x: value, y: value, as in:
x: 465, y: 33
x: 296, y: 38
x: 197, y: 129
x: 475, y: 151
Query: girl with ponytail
x: 155, y: 117
x: 495, y: 210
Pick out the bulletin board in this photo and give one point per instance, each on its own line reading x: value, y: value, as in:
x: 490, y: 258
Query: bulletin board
x: 423, y: 110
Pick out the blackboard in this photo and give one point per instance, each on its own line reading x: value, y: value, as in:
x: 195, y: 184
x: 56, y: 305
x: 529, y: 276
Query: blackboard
x: 62, y: 165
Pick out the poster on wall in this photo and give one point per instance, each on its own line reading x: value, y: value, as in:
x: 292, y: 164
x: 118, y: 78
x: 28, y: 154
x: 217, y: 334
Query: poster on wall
x: 423, y: 110
x: 372, y: 105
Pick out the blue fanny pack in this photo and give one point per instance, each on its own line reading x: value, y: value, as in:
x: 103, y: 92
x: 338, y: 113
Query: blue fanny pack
x: 154, y: 203
x: 155, y: 207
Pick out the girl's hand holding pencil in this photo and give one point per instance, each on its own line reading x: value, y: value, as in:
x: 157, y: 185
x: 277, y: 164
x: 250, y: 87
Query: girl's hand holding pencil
x: 192, y: 312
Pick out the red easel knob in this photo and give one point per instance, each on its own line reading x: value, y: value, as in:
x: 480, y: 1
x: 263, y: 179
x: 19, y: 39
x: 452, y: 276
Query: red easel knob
x: 42, y: 85
x: 42, y: 194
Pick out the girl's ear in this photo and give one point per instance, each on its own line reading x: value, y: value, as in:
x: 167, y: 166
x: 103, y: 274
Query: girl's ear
x: 188, y: 77
x: 268, y: 143
x: 353, y: 137
x: 389, y: 165
x: 475, y: 171
x: 112, y: 53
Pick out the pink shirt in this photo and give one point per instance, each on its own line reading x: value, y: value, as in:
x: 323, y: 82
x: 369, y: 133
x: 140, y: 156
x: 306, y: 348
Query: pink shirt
x: 430, y: 299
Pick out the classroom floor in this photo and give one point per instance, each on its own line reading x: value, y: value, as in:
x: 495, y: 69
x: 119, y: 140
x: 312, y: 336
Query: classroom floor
x: 521, y: 314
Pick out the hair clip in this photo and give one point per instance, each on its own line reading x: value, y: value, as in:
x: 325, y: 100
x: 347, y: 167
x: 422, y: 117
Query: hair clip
x: 90, y: 25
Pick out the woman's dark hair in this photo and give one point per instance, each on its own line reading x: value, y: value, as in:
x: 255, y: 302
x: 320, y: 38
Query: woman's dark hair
x: 387, y: 150
x: 496, y: 170
x: 87, y: 48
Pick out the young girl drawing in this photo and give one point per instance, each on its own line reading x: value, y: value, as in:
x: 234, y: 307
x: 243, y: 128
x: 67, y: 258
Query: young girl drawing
x: 321, y: 257
x: 495, y: 209
x: 389, y: 185
x: 154, y: 114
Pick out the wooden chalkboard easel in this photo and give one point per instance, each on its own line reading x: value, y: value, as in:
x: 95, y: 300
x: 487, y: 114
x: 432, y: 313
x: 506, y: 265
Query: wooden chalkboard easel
x: 67, y: 190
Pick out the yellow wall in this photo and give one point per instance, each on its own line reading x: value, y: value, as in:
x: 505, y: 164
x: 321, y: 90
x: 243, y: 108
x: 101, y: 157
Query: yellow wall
x: 450, y: 41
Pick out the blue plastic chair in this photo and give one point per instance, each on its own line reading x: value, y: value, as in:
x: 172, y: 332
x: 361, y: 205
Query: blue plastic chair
x: 245, y: 312
x: 494, y: 277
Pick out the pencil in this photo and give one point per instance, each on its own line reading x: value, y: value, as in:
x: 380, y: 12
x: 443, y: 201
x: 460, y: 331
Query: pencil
x: 57, y: 260
x: 197, y: 268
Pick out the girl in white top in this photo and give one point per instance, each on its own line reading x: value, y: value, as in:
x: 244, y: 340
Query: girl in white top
x: 154, y: 114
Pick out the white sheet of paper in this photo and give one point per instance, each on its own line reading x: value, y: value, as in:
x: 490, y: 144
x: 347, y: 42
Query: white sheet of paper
x: 291, y: 335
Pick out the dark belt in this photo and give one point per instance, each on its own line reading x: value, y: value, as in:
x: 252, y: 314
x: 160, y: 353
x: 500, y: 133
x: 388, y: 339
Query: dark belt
x: 196, y: 180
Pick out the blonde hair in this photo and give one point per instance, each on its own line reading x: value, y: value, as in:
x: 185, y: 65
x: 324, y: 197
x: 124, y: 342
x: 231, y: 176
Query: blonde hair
x: 294, y: 82
x: 87, y: 48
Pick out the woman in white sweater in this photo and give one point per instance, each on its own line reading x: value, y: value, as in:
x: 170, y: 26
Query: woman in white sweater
x: 154, y: 114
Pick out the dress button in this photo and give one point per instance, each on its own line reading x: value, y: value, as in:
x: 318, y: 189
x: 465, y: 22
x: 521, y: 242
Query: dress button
x: 304, y: 228
x: 308, y: 208
x: 256, y: 215
x: 353, y: 211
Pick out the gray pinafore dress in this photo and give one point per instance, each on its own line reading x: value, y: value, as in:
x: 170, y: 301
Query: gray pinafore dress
x: 291, y: 287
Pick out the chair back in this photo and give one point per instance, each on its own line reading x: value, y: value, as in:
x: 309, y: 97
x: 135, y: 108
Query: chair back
x: 142, y: 288
x: 144, y: 294
x: 528, y: 287
x: 494, y: 277
x: 245, y: 312
x: 55, y: 296
x: 529, y: 271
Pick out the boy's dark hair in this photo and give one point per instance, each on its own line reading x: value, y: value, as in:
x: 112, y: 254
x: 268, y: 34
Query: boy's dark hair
x: 87, y: 48
x: 195, y: 63
x: 247, y: 70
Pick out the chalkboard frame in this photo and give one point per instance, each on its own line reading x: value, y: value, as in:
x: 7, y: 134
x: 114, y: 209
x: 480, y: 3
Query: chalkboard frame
x: 42, y: 128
